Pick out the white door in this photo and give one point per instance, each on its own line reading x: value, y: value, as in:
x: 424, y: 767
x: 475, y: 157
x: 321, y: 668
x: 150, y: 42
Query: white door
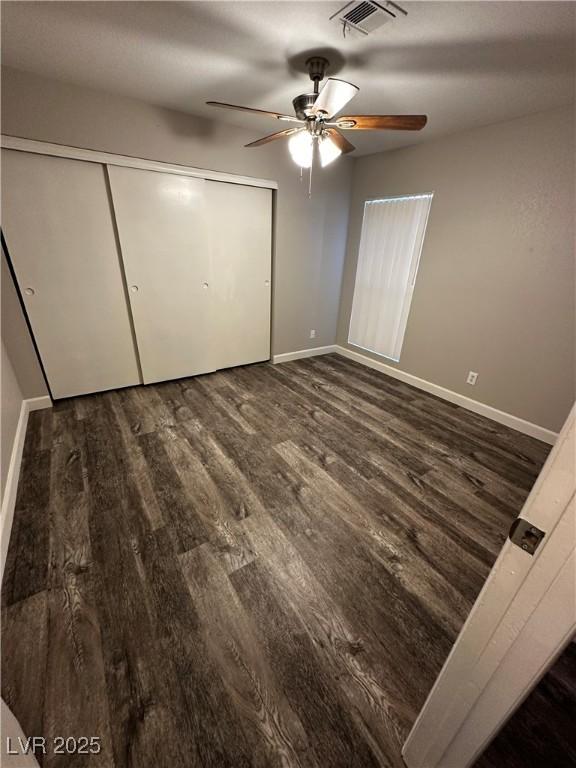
x: 59, y: 230
x: 240, y: 223
x: 162, y: 228
x: 520, y: 623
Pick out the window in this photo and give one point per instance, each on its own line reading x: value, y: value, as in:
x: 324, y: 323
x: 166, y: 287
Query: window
x: 392, y: 236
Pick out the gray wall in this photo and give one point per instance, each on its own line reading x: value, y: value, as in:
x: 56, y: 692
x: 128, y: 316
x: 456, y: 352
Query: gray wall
x: 310, y: 235
x: 495, y: 288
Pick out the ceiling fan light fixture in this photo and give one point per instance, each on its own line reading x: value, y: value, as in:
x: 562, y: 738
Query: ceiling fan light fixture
x: 329, y: 151
x: 301, y: 147
x: 315, y: 113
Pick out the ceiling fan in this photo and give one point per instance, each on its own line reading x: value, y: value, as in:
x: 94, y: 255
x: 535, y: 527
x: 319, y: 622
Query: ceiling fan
x: 316, y: 122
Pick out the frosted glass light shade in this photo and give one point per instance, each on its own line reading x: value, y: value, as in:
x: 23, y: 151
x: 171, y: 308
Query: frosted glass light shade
x: 302, y: 149
x: 334, y: 95
x: 328, y: 151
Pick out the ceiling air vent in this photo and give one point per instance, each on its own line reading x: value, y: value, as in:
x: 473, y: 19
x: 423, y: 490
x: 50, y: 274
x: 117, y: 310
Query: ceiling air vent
x: 367, y: 15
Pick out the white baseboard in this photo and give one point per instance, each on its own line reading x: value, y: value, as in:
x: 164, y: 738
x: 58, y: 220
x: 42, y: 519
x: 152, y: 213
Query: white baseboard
x: 37, y: 403
x: 515, y: 422
x: 284, y: 358
x: 11, y: 487
x: 521, y: 425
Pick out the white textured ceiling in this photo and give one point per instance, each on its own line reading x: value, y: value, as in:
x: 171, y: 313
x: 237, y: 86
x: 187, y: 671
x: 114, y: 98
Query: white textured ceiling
x: 463, y: 63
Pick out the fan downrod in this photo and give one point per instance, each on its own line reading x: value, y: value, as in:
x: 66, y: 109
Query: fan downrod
x: 317, y: 66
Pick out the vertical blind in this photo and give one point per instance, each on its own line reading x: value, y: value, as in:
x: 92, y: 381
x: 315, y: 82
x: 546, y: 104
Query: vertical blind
x: 392, y: 236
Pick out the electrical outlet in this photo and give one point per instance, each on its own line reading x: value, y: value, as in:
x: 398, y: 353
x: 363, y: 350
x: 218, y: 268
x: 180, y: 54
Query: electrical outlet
x: 312, y: 334
x: 472, y: 377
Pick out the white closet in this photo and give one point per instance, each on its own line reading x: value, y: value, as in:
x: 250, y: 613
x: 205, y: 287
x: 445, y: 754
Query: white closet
x: 198, y: 266
x: 58, y: 225
x: 240, y: 223
x: 124, y: 267
x: 164, y: 240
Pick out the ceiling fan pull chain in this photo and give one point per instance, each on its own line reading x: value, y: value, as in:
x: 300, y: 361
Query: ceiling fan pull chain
x: 310, y: 179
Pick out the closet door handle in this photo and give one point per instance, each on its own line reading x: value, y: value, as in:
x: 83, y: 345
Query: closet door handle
x: 266, y: 282
x: 205, y: 286
x: 134, y: 288
x: 29, y: 291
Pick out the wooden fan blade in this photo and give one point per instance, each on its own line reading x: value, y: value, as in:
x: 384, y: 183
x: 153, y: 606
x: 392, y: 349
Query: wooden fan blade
x: 381, y: 122
x: 272, y: 137
x: 341, y: 141
x: 276, y: 115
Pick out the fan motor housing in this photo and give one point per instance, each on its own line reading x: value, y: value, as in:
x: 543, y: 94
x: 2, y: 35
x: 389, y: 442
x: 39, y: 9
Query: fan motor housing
x: 303, y: 103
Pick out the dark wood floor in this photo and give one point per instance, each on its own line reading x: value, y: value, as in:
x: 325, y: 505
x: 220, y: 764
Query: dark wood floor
x: 266, y: 566
x: 542, y: 731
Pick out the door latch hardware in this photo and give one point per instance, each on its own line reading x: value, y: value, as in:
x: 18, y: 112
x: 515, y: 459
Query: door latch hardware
x: 525, y: 535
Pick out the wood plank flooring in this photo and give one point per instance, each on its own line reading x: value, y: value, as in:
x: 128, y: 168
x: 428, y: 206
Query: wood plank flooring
x: 265, y: 566
x: 542, y: 731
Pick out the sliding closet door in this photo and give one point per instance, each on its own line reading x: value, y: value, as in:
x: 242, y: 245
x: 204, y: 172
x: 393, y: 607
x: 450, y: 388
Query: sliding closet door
x: 241, y: 250
x: 161, y: 221
x: 57, y: 220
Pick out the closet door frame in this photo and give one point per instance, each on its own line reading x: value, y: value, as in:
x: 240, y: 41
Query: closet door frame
x: 6, y: 255
x: 109, y: 159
